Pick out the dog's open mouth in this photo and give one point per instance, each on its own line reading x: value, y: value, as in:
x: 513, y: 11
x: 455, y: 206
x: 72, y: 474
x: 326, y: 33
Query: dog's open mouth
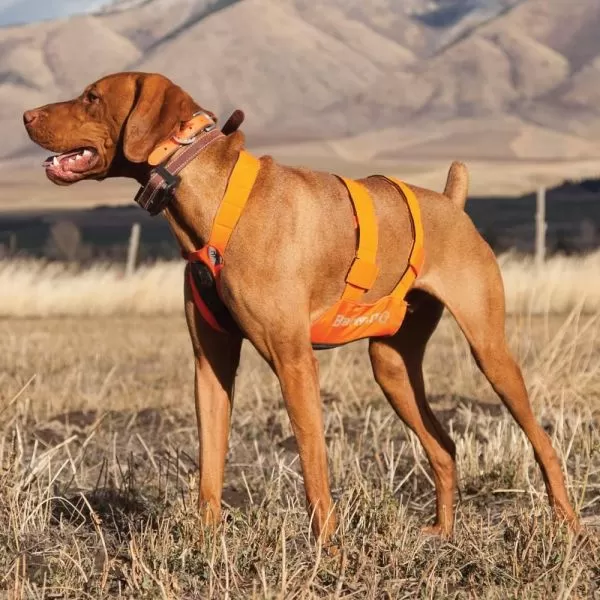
x: 71, y: 166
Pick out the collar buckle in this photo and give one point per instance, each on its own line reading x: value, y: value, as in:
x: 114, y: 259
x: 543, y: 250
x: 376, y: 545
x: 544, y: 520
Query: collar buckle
x: 190, y: 140
x: 171, y: 181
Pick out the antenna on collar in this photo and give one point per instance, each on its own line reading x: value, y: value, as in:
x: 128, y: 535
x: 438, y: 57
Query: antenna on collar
x: 233, y: 123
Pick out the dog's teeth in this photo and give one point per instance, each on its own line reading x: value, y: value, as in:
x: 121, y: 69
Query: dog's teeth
x: 86, y: 153
x: 55, y: 161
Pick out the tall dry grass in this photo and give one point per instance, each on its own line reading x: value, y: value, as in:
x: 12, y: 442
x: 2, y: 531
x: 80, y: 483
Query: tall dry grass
x: 98, y: 471
x: 31, y: 288
x: 42, y: 289
x: 563, y: 284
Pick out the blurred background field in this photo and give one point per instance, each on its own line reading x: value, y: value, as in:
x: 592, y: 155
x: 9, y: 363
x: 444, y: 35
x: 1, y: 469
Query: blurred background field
x: 100, y: 231
x: 39, y: 288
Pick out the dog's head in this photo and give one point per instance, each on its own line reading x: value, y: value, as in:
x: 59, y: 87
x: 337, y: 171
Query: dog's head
x: 111, y: 127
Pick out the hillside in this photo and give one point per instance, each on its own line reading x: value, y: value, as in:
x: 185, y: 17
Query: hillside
x: 384, y: 80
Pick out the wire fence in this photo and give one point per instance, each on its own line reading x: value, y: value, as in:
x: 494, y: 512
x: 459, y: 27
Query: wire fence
x: 572, y: 220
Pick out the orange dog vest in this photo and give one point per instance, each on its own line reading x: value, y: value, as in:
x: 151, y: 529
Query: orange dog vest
x: 349, y: 319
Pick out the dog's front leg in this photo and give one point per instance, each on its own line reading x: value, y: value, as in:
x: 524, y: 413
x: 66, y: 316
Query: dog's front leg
x: 293, y: 360
x: 298, y: 376
x: 217, y: 358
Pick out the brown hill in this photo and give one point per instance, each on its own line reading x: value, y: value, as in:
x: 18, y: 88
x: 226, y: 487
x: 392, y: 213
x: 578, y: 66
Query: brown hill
x: 492, y: 79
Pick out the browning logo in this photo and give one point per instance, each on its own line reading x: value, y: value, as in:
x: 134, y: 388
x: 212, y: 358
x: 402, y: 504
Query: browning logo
x: 378, y: 317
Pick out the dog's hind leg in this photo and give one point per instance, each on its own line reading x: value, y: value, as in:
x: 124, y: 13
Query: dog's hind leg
x: 469, y: 283
x: 397, y: 366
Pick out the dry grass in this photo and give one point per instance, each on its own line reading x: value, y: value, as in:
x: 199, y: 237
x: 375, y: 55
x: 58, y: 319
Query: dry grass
x: 98, y: 479
x: 41, y: 289
x: 563, y: 284
x: 44, y: 289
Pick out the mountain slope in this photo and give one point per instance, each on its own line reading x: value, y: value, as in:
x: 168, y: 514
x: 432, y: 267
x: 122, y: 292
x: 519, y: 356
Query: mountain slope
x: 453, y: 78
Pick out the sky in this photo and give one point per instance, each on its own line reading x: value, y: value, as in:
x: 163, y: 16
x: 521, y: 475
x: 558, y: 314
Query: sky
x: 13, y: 12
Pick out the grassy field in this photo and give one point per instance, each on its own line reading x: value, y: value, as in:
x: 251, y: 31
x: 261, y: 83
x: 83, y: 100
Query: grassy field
x: 98, y: 455
x: 36, y: 288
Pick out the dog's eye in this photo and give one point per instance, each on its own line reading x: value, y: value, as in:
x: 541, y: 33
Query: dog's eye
x: 91, y: 98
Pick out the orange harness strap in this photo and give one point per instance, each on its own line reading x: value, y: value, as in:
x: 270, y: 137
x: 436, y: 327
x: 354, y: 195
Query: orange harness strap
x: 417, y: 255
x: 349, y: 319
x: 239, y: 187
x: 238, y: 191
x: 364, y: 271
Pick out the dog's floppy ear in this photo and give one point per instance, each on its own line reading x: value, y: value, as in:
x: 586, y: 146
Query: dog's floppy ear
x: 159, y: 108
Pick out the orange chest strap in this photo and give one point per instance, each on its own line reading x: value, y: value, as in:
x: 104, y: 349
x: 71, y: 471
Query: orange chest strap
x: 205, y: 289
x: 239, y: 187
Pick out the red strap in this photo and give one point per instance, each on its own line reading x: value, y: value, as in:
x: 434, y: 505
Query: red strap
x: 201, y: 306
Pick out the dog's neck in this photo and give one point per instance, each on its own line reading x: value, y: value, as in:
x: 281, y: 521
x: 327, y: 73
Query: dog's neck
x: 192, y: 211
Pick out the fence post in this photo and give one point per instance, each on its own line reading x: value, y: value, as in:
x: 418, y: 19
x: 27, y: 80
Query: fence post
x: 540, y: 228
x: 12, y: 245
x: 132, y: 251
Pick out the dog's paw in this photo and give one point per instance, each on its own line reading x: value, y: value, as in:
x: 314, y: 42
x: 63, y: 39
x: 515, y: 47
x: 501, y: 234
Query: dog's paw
x: 436, y: 531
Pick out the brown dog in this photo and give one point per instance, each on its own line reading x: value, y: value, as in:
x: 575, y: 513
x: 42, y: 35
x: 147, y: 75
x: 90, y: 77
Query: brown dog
x: 286, y: 265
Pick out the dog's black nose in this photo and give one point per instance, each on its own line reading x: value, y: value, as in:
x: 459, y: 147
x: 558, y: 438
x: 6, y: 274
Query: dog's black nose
x: 29, y: 116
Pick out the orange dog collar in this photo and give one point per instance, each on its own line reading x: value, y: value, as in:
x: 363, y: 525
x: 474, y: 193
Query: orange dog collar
x: 186, y: 135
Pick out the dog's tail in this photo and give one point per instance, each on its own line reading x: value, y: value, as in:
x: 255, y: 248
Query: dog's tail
x: 457, y: 184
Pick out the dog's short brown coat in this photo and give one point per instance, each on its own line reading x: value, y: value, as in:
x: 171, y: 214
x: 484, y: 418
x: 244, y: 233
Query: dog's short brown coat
x: 285, y: 265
